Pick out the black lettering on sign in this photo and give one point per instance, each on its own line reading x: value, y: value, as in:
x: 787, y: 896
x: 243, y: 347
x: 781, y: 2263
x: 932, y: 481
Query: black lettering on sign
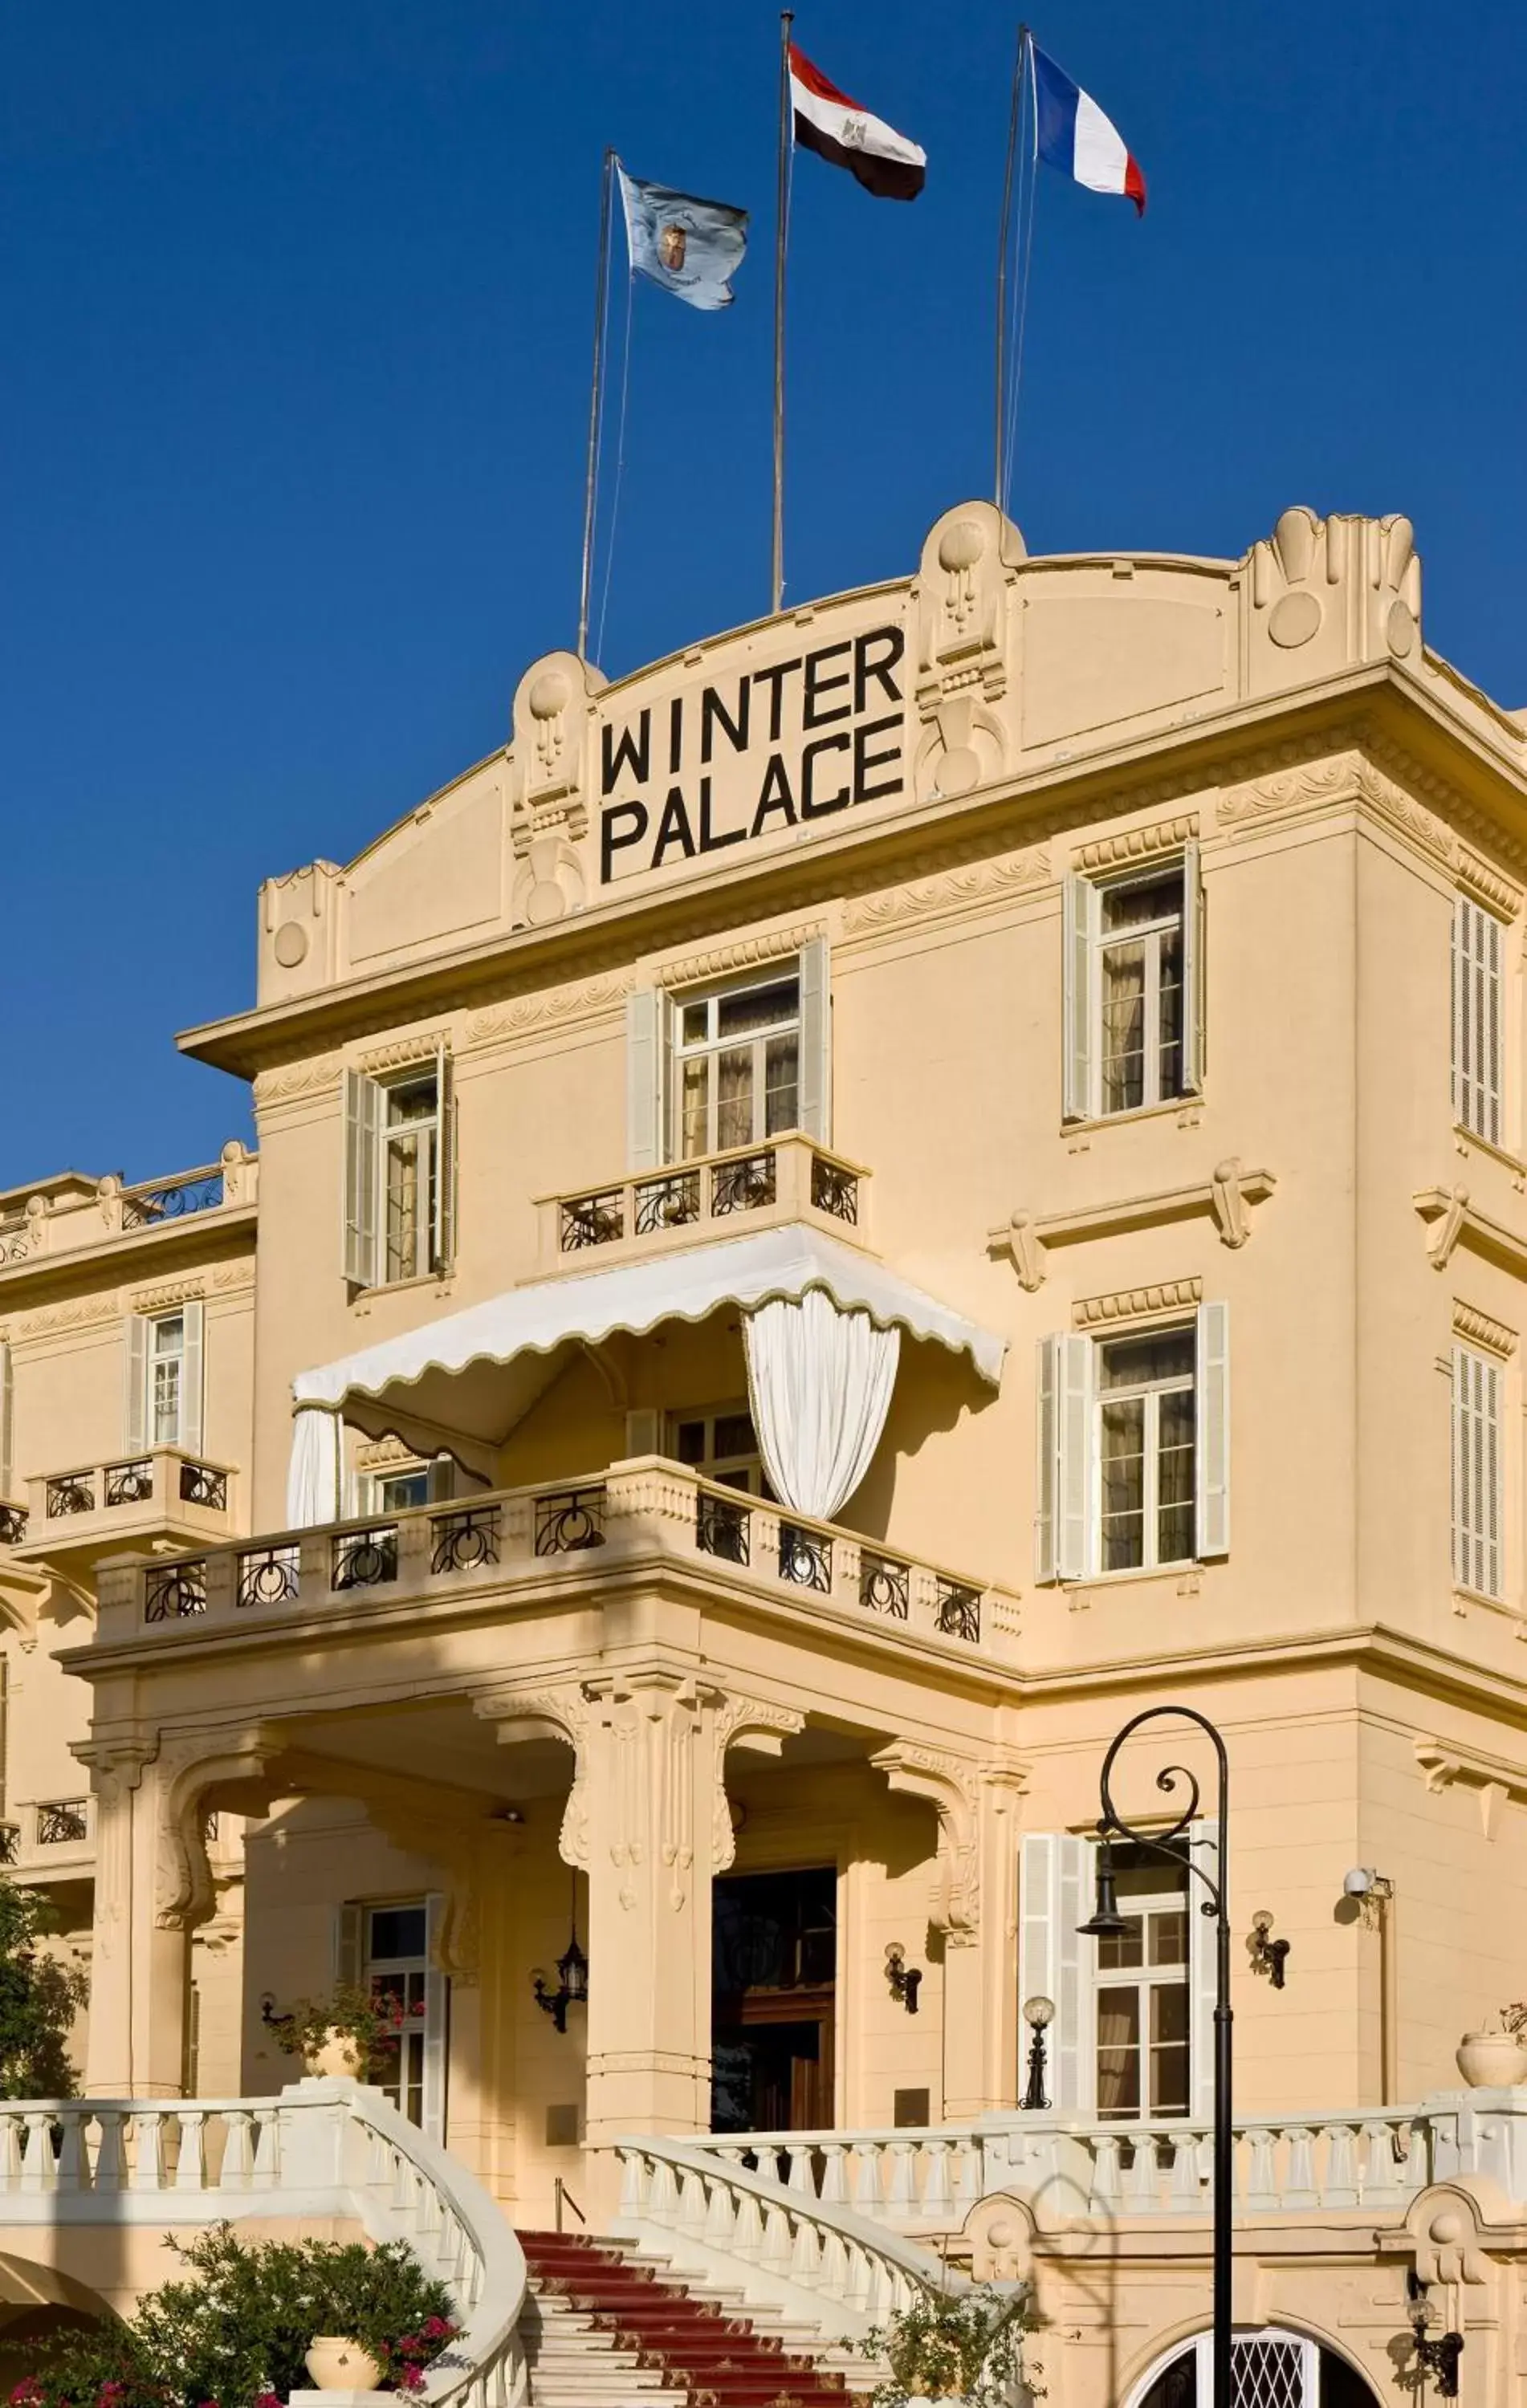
x: 811, y: 715
x: 675, y: 734
x: 892, y: 644
x: 713, y: 714
x: 631, y: 752
x: 774, y: 679
x: 774, y: 795
x: 810, y: 808
x: 634, y: 816
x: 673, y: 828
x: 708, y: 843
x: 864, y: 760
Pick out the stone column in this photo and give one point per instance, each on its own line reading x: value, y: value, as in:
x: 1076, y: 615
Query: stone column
x: 115, y: 1775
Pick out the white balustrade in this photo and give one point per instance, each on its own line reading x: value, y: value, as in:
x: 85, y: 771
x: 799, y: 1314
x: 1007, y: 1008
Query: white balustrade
x: 322, y: 2149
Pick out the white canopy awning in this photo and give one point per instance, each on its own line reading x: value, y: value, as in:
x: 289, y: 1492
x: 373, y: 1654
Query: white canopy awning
x: 451, y: 1373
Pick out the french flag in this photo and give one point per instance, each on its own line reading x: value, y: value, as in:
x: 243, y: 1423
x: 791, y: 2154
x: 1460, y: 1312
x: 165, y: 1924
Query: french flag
x: 1074, y: 135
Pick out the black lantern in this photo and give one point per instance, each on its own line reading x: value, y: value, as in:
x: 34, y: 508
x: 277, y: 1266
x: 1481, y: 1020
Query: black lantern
x: 571, y: 1977
x: 1037, y: 2013
x: 1107, y: 1922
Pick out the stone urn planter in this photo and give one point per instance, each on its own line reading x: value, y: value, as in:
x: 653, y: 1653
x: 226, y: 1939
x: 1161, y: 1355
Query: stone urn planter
x: 1491, y: 2060
x: 336, y: 2364
x: 336, y: 2057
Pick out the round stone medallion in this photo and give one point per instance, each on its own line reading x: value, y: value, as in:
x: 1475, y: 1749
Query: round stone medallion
x: 1294, y: 619
x: 958, y: 771
x: 1401, y: 628
x: 290, y: 944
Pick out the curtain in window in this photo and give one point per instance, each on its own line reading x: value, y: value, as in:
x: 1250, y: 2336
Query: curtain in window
x: 821, y: 1382
x: 314, y: 1477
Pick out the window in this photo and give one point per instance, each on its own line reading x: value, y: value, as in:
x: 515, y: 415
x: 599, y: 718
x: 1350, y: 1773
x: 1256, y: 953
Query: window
x: 730, y: 1065
x: 1135, y: 1449
x: 1141, y: 1995
x: 165, y: 1379
x: 1144, y: 1450
x: 736, y: 1066
x: 404, y: 1485
x: 398, y: 1976
x: 1478, y: 1020
x: 400, y: 1175
x: 1269, y: 2369
x: 1132, y: 1001
x: 723, y: 1446
x: 1477, y: 1472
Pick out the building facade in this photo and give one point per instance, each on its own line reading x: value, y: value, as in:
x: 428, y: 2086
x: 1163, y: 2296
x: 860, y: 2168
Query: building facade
x: 841, y: 1216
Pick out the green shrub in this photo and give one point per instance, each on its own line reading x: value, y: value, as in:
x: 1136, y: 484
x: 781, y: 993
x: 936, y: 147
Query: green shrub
x: 39, y: 1999
x: 236, y: 2337
x: 947, y: 2346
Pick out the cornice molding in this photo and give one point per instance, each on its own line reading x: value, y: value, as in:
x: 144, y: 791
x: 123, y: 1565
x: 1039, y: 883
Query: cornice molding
x: 405, y: 1051
x: 1026, y: 1237
x: 721, y: 960
x: 963, y: 886
x: 293, y: 1078
x: 166, y: 1297
x: 1139, y: 1303
x: 1454, y: 1220
x: 1138, y: 844
x: 1487, y: 884
x: 1478, y: 1329
x: 1498, y: 1781
x: 566, y: 1007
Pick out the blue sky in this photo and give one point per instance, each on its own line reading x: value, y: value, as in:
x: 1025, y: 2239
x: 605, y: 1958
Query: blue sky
x: 297, y: 304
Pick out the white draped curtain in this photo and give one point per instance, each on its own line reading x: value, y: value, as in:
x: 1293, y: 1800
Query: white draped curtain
x: 315, y: 1481
x: 820, y: 1380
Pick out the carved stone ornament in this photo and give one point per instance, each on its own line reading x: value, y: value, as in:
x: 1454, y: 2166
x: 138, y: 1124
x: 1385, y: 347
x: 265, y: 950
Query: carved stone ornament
x: 187, y: 1767
x: 962, y: 597
x: 1355, y: 582
x: 1445, y: 2234
x: 549, y: 794
x: 949, y: 1787
x: 1001, y: 2230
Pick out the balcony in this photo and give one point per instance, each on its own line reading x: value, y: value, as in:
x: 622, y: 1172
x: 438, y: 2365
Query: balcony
x: 13, y: 1521
x: 162, y: 1494
x: 513, y: 1541
x: 53, y: 1840
x: 717, y: 1196
x: 70, y: 1215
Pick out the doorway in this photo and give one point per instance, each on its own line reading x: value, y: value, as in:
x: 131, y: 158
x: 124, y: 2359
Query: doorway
x: 773, y: 1987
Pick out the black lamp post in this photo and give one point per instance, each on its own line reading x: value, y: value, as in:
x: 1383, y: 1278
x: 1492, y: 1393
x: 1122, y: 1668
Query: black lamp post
x: 571, y: 1977
x: 1107, y: 1922
x: 1036, y: 2015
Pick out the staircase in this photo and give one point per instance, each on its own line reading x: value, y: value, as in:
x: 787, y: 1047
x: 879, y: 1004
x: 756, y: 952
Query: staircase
x: 601, y: 2328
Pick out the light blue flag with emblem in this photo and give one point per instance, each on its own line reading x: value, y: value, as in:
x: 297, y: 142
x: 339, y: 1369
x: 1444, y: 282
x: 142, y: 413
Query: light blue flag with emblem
x: 691, y: 248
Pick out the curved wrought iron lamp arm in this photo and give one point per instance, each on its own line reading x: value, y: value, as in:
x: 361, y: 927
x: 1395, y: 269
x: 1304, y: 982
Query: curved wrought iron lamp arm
x: 1111, y: 1823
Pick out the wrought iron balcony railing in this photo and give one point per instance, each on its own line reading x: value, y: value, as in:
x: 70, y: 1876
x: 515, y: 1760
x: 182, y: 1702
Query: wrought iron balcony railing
x: 62, y: 1822
x: 13, y: 1521
x: 164, y: 1488
x: 785, y: 1179
x: 72, y: 1214
x: 515, y: 1537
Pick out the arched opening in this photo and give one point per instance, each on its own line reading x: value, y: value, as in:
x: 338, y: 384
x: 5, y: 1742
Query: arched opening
x: 1270, y: 2368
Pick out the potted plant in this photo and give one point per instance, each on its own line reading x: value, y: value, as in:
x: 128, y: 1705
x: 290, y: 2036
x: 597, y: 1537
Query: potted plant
x: 955, y: 2345
x: 1496, y: 2057
x: 342, y: 2036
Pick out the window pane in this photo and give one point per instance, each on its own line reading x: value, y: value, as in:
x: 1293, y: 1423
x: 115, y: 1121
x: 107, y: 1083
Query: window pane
x: 734, y: 1098
x: 693, y: 1135
x: 1174, y: 1476
x: 414, y: 1102
x: 734, y: 1434
x: 757, y: 1007
x: 690, y: 1443
x: 1118, y: 2052
x: 399, y: 1490
x: 695, y: 1025
x: 1123, y: 1484
x: 1168, y: 2049
x: 1138, y: 906
x: 1169, y: 1938
x: 1123, y: 1028
x: 1171, y: 1015
x: 169, y: 1334
x: 1145, y: 1362
x: 1119, y: 1949
x: 781, y: 1102
x: 166, y: 1400
x: 396, y: 1931
x: 411, y: 1202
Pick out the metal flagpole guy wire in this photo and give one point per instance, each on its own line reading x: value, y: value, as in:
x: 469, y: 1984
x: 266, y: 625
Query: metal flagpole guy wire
x: 620, y: 459
x: 1028, y: 159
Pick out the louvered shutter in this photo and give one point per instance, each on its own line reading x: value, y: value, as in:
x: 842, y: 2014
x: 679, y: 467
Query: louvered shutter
x: 1079, y: 929
x: 193, y: 1376
x: 1065, y: 1522
x: 363, y: 1121
x: 444, y: 1232
x: 1477, y: 1020
x: 1477, y: 1472
x: 7, y: 1466
x: 1204, y: 1843
x: 1212, y: 1451
x: 348, y: 1945
x: 1055, y: 1962
x: 646, y: 1024
x: 136, y: 1395
x: 815, y: 1105
x: 436, y: 2021
x: 1192, y: 971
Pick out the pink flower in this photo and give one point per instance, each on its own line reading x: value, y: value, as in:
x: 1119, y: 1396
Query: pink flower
x: 410, y: 2378
x: 268, y: 2399
x: 438, y: 2328
x: 28, y: 2390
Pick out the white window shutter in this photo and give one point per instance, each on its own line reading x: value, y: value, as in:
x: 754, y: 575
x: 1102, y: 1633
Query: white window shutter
x: 436, y: 2021
x: 1477, y: 1472
x: 444, y: 1232
x: 363, y: 1120
x: 1192, y: 971
x: 193, y: 1376
x: 1055, y: 1962
x: 1212, y: 1449
x: 814, y: 1093
x: 646, y: 1027
x: 135, y: 1417
x: 1079, y: 926
x: 1477, y: 1019
x: 7, y: 1466
x: 348, y: 1945
x: 1064, y: 1523
x: 1203, y: 1844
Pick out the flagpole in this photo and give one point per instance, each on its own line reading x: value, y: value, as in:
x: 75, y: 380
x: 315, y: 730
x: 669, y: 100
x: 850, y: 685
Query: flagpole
x: 596, y: 396
x: 781, y: 209
x: 1002, y: 246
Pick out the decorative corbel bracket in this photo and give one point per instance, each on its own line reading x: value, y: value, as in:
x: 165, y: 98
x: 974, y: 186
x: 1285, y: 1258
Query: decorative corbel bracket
x: 949, y: 1788
x: 189, y: 1768
x: 1453, y: 1221
x: 1499, y: 1783
x: 1226, y: 1196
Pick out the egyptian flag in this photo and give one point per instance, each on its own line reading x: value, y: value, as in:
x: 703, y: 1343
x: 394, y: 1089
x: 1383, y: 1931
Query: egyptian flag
x: 847, y: 135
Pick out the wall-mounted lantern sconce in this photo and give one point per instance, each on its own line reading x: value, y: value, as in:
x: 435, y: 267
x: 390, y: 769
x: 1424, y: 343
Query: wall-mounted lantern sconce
x: 1435, y: 2353
x: 1037, y: 2013
x: 905, y: 1980
x: 571, y: 1979
x: 1268, y: 1957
